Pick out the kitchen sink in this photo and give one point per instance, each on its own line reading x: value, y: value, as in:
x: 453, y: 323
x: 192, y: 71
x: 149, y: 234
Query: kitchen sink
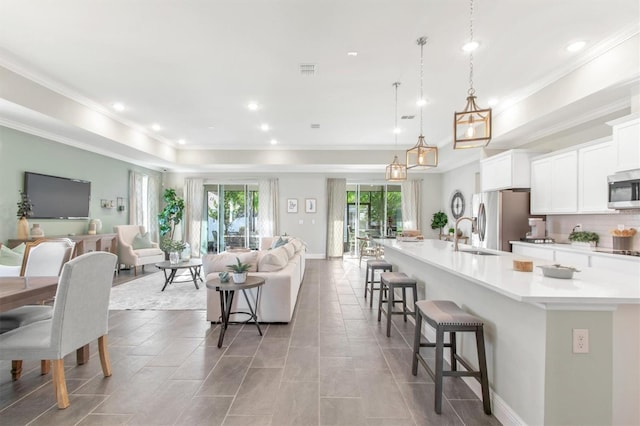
x: 478, y: 252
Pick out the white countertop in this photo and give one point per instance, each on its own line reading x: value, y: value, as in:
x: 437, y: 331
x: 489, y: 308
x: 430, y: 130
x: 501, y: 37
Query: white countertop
x: 570, y: 248
x: 589, y: 287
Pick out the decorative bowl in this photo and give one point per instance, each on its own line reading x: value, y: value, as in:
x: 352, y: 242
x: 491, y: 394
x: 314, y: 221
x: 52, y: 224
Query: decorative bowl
x: 558, y: 271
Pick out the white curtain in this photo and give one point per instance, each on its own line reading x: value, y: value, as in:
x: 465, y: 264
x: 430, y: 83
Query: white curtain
x: 136, y: 200
x: 268, y: 216
x: 153, y: 201
x: 144, y: 196
x: 411, y: 204
x: 337, y: 201
x: 193, y: 205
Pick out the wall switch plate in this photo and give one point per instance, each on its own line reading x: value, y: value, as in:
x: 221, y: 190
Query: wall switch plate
x: 301, y: 222
x: 580, y: 341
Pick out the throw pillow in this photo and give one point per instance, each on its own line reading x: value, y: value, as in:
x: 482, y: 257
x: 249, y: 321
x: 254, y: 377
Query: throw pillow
x: 141, y: 241
x: 9, y: 257
x: 290, y: 248
x: 273, y: 260
x: 20, y: 248
x: 279, y: 242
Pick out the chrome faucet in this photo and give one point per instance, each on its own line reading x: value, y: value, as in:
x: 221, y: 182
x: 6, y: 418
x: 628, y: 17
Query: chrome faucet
x: 455, y: 233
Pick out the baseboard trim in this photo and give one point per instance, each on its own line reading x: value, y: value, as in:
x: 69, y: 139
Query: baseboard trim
x: 316, y: 256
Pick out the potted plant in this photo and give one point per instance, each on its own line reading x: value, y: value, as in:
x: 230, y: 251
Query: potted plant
x: 584, y: 239
x: 452, y: 231
x: 169, y: 218
x: 439, y: 220
x: 239, y: 270
x: 25, y: 210
x: 173, y: 247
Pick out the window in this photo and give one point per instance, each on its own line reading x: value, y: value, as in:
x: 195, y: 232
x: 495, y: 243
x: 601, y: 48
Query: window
x: 232, y: 217
x: 372, y: 210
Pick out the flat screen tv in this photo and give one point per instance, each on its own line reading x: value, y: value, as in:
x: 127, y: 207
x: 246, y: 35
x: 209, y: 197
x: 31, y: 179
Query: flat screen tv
x: 56, y: 197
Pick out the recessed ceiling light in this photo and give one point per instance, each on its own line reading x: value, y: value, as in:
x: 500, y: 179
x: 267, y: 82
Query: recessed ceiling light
x: 273, y: 142
x: 182, y: 141
x: 118, y: 106
x: 352, y: 53
x: 493, y: 102
x: 211, y: 127
x: 156, y: 127
x: 471, y: 46
x: 253, y: 106
x: 397, y: 130
x: 264, y: 127
x: 576, y: 45
x: 421, y: 102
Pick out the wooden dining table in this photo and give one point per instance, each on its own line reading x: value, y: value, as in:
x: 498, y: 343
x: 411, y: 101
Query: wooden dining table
x: 20, y: 291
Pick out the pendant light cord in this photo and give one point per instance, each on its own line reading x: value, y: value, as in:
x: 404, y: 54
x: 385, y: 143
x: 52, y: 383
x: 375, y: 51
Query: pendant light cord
x: 395, y: 129
x: 421, y: 41
x: 471, y: 89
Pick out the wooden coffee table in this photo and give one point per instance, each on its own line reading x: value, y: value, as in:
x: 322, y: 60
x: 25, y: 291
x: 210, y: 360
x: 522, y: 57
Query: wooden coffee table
x: 227, y: 290
x: 193, y: 265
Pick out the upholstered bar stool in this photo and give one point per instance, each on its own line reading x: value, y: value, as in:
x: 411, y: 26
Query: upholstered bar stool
x: 446, y: 316
x: 374, y: 265
x: 389, y: 281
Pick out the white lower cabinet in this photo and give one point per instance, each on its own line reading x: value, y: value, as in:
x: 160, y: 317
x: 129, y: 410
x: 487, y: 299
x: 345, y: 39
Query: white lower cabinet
x: 624, y: 265
x: 533, y: 251
x: 568, y: 258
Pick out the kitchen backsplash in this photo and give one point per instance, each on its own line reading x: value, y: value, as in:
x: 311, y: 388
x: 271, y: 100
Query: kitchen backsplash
x: 560, y: 226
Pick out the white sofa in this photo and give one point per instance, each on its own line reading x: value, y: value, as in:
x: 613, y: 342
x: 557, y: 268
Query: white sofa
x: 283, y: 271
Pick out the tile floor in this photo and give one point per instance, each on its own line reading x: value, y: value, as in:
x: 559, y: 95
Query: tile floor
x: 332, y: 365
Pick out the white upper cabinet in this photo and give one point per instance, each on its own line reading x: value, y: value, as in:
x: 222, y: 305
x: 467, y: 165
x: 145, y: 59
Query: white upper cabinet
x: 507, y: 170
x: 595, y: 163
x: 554, y: 184
x: 626, y: 137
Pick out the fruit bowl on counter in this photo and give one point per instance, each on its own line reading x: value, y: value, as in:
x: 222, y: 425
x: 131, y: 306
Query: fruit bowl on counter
x: 558, y: 271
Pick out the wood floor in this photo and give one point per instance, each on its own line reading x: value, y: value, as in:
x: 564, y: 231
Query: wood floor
x: 332, y: 365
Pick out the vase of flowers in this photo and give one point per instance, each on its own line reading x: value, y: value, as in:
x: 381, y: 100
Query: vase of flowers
x: 173, y: 247
x: 25, y: 210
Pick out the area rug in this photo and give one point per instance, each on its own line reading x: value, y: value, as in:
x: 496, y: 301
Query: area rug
x: 145, y: 293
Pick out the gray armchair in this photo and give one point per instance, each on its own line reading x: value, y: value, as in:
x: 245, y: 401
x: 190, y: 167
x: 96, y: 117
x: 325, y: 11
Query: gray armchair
x: 80, y: 315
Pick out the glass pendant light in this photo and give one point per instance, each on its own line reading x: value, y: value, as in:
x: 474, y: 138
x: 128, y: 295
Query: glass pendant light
x: 396, y: 172
x: 471, y: 127
x: 422, y: 156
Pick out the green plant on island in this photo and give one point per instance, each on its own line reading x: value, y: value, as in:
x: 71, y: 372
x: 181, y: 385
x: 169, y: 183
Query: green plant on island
x: 452, y: 230
x: 170, y: 246
x: 25, y: 206
x: 584, y: 237
x: 239, y: 267
x: 439, y: 220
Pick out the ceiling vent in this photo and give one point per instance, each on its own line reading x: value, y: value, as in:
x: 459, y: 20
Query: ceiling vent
x: 308, y: 70
x: 315, y: 126
x: 407, y: 117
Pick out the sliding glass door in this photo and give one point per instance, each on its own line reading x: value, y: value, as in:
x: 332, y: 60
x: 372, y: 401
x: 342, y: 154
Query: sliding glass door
x: 372, y: 210
x: 232, y: 217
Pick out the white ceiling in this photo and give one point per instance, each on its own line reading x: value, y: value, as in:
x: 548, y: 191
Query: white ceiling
x: 193, y: 66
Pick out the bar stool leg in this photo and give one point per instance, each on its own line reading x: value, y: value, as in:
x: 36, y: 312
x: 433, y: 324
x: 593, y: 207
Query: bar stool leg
x: 382, y: 287
x: 416, y: 343
x: 439, y: 366
x: 373, y: 277
x: 454, y: 351
x: 389, y: 308
x: 482, y: 366
x: 366, y: 282
x: 404, y: 303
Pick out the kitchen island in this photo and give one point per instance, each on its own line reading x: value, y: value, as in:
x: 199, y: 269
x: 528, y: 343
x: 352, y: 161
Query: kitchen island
x: 529, y: 320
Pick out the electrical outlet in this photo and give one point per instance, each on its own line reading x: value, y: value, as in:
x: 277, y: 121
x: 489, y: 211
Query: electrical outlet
x: 579, y: 227
x: 580, y: 341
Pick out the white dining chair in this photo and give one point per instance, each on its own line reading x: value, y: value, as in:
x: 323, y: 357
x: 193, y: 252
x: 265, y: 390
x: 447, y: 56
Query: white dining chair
x: 80, y: 315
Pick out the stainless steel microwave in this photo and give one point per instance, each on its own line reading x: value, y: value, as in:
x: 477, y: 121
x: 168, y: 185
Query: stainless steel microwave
x: 624, y: 190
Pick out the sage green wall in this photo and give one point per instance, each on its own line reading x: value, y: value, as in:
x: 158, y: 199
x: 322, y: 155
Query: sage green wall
x: 20, y: 152
x: 578, y: 387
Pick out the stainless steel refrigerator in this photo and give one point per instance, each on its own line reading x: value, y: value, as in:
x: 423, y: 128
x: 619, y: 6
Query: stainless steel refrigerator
x: 502, y: 216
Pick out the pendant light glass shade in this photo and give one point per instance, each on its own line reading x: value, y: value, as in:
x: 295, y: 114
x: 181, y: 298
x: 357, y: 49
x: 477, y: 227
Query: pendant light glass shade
x: 396, y: 172
x: 471, y: 127
x: 422, y: 155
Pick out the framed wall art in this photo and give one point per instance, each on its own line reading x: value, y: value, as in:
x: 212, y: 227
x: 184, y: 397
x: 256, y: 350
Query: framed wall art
x: 292, y: 205
x: 310, y: 205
